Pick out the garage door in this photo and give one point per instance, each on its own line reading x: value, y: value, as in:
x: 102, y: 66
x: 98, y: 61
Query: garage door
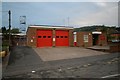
x: 62, y: 38
x: 44, y: 38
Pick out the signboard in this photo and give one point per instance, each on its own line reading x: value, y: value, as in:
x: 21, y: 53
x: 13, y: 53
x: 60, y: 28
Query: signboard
x: 96, y: 32
x: 75, y: 38
x: 22, y: 19
x: 31, y: 40
x: 85, y: 38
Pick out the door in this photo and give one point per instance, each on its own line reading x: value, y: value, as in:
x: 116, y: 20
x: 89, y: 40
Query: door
x: 62, y: 38
x: 95, y: 39
x: 44, y: 38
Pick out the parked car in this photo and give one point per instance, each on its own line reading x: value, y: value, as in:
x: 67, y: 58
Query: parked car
x: 115, y: 40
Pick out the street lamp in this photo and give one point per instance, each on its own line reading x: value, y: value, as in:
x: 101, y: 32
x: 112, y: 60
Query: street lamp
x: 9, y: 12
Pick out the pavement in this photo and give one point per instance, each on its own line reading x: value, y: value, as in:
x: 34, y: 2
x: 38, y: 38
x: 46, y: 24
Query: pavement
x: 100, y: 47
x: 58, y: 53
x: 22, y: 58
x: 26, y: 63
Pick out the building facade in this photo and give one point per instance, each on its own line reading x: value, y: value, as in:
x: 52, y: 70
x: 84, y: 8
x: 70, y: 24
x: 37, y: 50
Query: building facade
x: 49, y: 36
x: 18, y: 39
x: 88, y: 39
x: 84, y: 39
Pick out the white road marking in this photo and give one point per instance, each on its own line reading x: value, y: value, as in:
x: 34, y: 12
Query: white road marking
x: 33, y: 71
x: 111, y: 76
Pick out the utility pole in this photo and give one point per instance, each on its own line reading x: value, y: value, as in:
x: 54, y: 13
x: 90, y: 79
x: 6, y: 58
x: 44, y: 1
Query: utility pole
x: 9, y: 12
x: 68, y: 21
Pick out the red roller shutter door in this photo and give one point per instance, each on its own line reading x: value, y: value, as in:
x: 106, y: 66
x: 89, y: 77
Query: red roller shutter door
x: 62, y: 38
x: 44, y: 38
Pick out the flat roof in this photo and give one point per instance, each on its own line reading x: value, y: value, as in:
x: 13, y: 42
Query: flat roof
x: 19, y: 34
x: 50, y: 26
x: 96, y: 32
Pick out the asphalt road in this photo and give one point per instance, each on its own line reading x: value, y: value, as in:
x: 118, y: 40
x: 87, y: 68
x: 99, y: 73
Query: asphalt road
x: 25, y: 63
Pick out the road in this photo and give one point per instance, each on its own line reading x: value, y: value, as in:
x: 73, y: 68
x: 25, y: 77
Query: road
x: 25, y: 63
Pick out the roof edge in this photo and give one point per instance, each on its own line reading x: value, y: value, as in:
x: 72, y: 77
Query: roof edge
x: 46, y: 26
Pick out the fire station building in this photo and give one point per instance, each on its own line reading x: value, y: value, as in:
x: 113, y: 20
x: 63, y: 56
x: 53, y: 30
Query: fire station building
x: 88, y: 39
x: 49, y: 36
x: 58, y: 36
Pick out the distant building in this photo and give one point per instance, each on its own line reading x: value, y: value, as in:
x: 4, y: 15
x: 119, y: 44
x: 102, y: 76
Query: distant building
x: 0, y: 35
x: 18, y: 39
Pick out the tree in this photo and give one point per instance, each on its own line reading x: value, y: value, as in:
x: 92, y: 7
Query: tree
x: 15, y: 31
x: 4, y: 31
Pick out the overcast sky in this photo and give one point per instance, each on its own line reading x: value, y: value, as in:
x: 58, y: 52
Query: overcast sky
x: 77, y: 14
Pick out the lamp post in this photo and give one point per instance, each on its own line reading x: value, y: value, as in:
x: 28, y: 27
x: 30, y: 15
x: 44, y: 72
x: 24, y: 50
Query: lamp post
x: 9, y: 12
x: 9, y: 20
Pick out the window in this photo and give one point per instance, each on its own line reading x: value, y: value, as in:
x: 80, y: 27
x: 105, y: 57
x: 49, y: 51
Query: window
x: 49, y: 36
x: 44, y: 36
x: 85, y: 38
x: 57, y: 36
x: 39, y: 36
x: 61, y: 36
x: 66, y: 37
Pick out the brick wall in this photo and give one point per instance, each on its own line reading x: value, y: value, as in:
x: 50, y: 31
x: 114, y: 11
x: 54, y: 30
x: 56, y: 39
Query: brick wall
x: 115, y: 47
x: 54, y: 37
x: 80, y: 39
x: 31, y: 35
x: 102, y: 40
x: 71, y: 38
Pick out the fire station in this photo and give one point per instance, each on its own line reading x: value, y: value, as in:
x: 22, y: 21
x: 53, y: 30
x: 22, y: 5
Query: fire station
x: 58, y: 36
x: 49, y: 36
x: 88, y: 39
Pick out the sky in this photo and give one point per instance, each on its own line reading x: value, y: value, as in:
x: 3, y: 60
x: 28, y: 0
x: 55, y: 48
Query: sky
x: 75, y: 14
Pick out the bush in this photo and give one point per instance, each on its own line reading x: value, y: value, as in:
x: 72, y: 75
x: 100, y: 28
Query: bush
x: 5, y: 45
